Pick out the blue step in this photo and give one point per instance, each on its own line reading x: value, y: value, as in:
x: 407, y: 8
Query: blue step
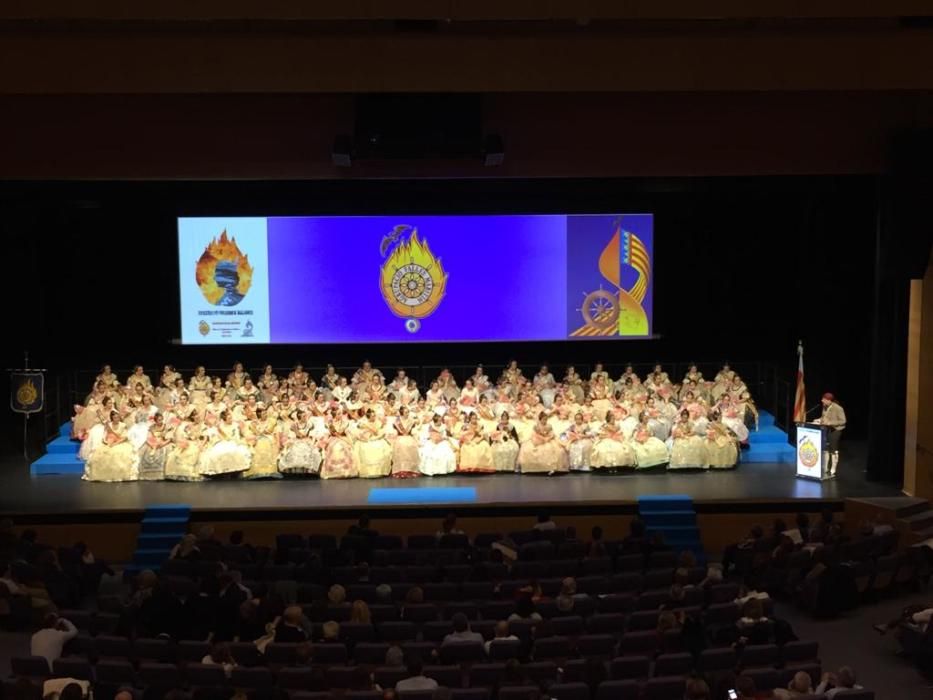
x: 57, y: 463
x: 770, y: 453
x: 157, y: 540
x: 149, y: 557
x: 766, y: 435
x: 671, y: 502
x: 168, y: 510
x: 64, y: 430
x: 175, y: 526
x: 659, y: 518
x: 765, y: 419
x: 63, y: 445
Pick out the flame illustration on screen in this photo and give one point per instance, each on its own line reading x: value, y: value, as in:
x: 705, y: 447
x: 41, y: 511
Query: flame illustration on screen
x: 412, y: 280
x: 223, y: 272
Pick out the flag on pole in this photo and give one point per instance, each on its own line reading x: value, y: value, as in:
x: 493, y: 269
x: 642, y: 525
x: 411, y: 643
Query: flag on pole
x: 800, y: 397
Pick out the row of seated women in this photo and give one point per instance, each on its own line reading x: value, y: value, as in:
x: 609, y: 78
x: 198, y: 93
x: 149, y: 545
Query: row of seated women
x: 246, y: 430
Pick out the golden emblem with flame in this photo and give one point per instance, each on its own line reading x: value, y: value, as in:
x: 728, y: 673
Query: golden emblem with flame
x: 223, y: 272
x: 412, y: 280
x: 27, y: 393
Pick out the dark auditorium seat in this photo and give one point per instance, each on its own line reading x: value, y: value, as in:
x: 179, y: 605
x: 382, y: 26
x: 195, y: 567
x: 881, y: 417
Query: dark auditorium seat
x: 279, y: 654
x: 389, y: 676
x: 616, y: 603
x: 714, y: 660
x: 161, y: 650
x: 466, y: 607
x: 469, y: 694
x: 449, y: 676
x: 363, y: 695
x: 552, y: 648
x: 606, y: 623
x: 568, y: 625
x: 624, y: 668
x: 673, y: 665
x: 370, y: 653
x: 206, y: 675
x: 346, y: 677
x: 420, y: 613
x: 617, y: 690
x: 462, y: 652
x: 329, y: 654
x: 639, y: 643
x: 665, y: 688
x: 569, y: 691
x: 159, y: 675
x: 189, y: 650
x: 111, y: 647
x: 115, y: 672
x: 422, y: 541
x: 541, y: 671
x: 354, y: 632
x: 437, y: 630
x: 30, y: 666
x: 487, y: 675
x: 597, y: 645
x: 73, y: 668
x: 855, y: 695
x: 760, y: 656
x: 505, y: 649
x: 800, y: 652
x: 259, y: 678
x: 520, y: 692
x: 397, y: 631
x: 643, y: 620
x: 765, y: 678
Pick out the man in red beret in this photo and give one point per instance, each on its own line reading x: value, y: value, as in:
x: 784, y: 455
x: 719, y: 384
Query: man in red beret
x: 834, y: 418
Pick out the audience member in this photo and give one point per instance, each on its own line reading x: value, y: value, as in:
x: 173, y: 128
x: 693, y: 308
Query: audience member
x: 416, y: 679
x: 362, y: 528
x: 544, y: 524
x: 745, y: 688
x: 799, y: 685
x: 834, y: 683
x: 290, y: 629
x: 597, y: 547
x: 395, y: 657
x: 220, y: 655
x: 696, y: 689
x: 187, y: 549
x: 525, y: 610
x: 462, y: 631
x: 49, y: 641
x: 384, y: 594
x: 449, y: 527
x: 502, y: 635
x: 359, y: 612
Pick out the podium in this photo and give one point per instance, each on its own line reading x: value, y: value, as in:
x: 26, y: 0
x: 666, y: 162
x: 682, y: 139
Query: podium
x: 812, y: 459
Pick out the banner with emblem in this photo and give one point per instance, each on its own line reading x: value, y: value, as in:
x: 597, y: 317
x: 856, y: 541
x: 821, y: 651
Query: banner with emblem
x: 27, y: 391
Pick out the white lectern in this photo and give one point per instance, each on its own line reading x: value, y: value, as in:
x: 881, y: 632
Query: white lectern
x: 812, y: 461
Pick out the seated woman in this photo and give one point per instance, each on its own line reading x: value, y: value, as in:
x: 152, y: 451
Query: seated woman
x: 226, y: 453
x: 542, y: 453
x: 721, y: 450
x: 573, y: 384
x: 405, y: 456
x: 339, y: 457
x: 262, y: 436
x: 659, y: 421
x: 114, y: 459
x: 448, y: 385
x: 373, y: 453
x: 649, y: 451
x: 688, y: 450
x: 184, y: 458
x: 154, y: 452
x: 235, y: 379
x: 545, y: 386
x: 435, y: 397
x: 166, y: 383
x: 300, y: 452
x: 139, y: 376
x: 611, y: 450
x: 486, y: 414
x: 437, y: 451
x: 579, y: 441
x: 504, y: 442
x: 469, y: 397
x: 732, y: 418
x: 92, y: 423
x: 475, y: 451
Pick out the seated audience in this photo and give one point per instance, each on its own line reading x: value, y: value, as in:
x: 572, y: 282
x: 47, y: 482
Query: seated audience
x: 462, y: 631
x: 834, y: 683
x: 416, y: 679
x: 49, y: 641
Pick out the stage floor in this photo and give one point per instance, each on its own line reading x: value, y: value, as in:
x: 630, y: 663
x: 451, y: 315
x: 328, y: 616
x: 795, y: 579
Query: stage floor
x: 750, y: 487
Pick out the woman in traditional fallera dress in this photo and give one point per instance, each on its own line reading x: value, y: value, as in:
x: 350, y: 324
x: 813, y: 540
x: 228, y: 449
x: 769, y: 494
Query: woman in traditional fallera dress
x: 579, y: 439
x: 329, y: 381
x: 106, y: 377
x: 86, y: 417
x: 268, y: 384
x: 545, y: 386
x: 573, y: 382
x: 373, y: 453
x: 154, y: 452
x: 542, y: 453
x: 611, y: 450
x: 475, y: 450
x: 114, y: 459
x: 339, y: 457
x: 721, y: 450
x: 405, y: 454
x: 262, y: 436
x: 184, y: 457
x: 469, y: 397
x: 226, y: 454
x: 687, y: 449
x: 649, y: 451
x: 486, y: 414
x: 438, y: 456
x: 139, y: 376
x: 504, y: 443
x: 300, y: 452
x: 732, y: 418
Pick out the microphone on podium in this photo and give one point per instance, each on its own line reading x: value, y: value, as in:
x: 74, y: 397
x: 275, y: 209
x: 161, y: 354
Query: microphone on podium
x: 812, y: 409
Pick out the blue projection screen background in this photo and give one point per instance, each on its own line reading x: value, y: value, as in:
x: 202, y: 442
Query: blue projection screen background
x: 390, y: 279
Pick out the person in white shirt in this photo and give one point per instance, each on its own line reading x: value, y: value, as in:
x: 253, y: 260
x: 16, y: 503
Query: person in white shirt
x: 799, y: 685
x: 834, y: 683
x: 462, y: 631
x: 502, y: 635
x: 416, y: 679
x: 49, y: 641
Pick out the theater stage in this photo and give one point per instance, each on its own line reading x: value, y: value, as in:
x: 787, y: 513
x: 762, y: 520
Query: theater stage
x: 749, y: 488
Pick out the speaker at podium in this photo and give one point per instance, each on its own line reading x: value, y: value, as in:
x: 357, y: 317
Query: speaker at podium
x: 812, y: 457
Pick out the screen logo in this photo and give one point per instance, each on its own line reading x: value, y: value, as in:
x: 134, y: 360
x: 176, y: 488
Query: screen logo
x: 412, y: 280
x: 223, y: 272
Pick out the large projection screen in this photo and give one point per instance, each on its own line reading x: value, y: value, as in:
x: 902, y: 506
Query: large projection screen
x: 410, y: 279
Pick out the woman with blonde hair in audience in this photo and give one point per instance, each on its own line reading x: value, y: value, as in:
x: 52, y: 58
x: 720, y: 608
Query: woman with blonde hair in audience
x: 359, y: 612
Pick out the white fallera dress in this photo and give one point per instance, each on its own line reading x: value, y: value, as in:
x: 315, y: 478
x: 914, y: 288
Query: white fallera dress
x: 436, y: 457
